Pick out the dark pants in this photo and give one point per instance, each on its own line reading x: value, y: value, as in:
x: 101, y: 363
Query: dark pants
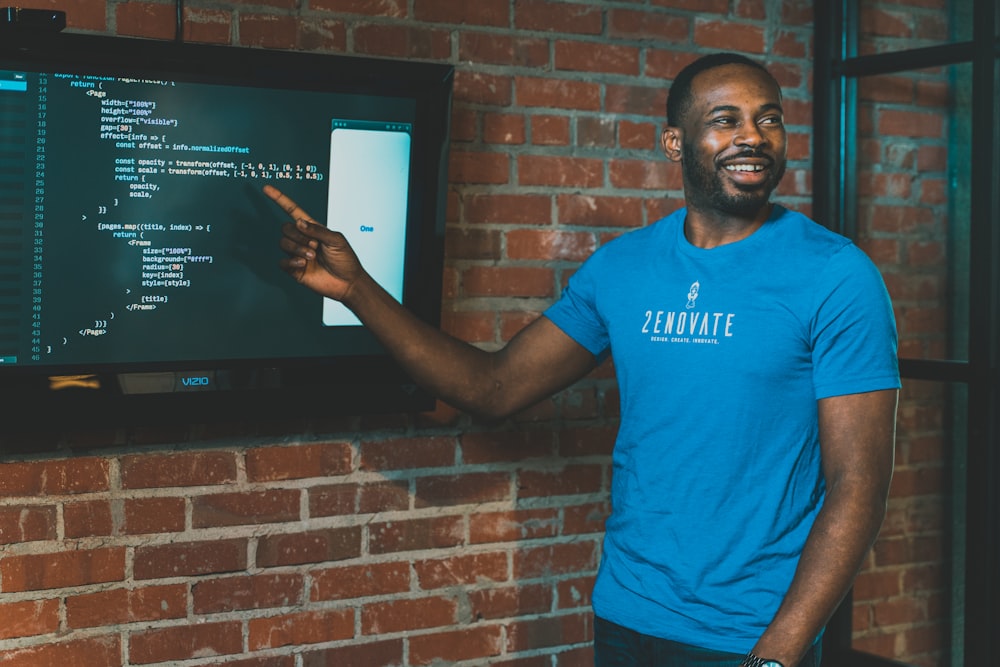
x: 615, y: 646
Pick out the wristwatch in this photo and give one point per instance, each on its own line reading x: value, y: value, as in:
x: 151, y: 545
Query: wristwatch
x: 752, y: 660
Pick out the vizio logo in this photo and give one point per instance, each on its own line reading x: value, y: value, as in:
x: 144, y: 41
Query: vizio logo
x: 195, y: 381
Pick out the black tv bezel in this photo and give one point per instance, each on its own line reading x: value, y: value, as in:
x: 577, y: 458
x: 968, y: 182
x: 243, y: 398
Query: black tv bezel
x: 257, y: 389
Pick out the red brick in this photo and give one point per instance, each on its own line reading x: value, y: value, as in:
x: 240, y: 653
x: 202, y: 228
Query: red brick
x: 663, y: 64
x: 513, y: 281
x: 145, y: 19
x: 153, y: 515
x: 268, y: 31
x: 409, y: 614
x: 482, y: 12
x: 791, y: 44
x: 641, y: 175
x: 575, y: 593
x: 465, y: 489
x: 587, y: 518
x: 323, y: 35
x: 513, y: 525
x: 498, y: 49
x: 244, y: 591
x: 384, y: 496
x: 415, y: 534
x: 560, y: 171
x: 459, y: 570
x: 596, y: 57
x: 503, y: 128
x: 900, y: 611
x: 457, y: 645
x: 571, y: 480
x: 28, y: 618
x: 547, y: 245
x: 243, y: 508
x: 549, y: 631
x: 197, y: 640
x: 594, y: 440
x: 506, y: 601
x: 334, y: 500
x: 412, y: 453
x: 549, y: 130
x: 88, y: 652
x: 119, y: 606
x: 479, y: 167
x: 300, y: 628
x: 472, y: 244
x: 387, y: 653
x: 56, y: 477
x: 27, y: 523
x: 475, y: 87
x: 268, y: 464
x: 511, y: 209
x: 495, y: 446
x: 402, y: 41
x: 185, y: 469
x: 596, y: 131
x: 729, y: 35
x: 582, y: 656
x: 59, y: 570
x: 309, y: 547
x: 207, y: 26
x: 382, y: 8
x: 600, y: 211
x: 637, y: 24
x: 557, y: 16
x: 558, y: 93
x: 269, y: 661
x: 356, y: 581
x: 181, y: 559
x: 549, y: 560
x: 88, y: 518
x: 913, y: 124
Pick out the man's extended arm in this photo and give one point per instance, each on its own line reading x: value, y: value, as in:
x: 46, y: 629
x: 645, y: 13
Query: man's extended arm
x: 857, y: 437
x: 536, y: 363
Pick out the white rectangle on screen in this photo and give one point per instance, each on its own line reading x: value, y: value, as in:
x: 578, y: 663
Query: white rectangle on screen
x: 369, y: 177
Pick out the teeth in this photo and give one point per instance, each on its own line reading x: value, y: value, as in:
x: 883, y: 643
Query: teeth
x: 744, y: 167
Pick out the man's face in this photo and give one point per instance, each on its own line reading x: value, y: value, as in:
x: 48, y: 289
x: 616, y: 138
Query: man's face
x: 733, y: 141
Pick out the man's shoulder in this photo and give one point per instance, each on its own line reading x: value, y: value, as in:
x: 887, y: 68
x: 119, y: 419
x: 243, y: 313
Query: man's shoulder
x: 798, y: 227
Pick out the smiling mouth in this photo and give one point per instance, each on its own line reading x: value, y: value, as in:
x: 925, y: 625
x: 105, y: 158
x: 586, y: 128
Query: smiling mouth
x: 747, y: 168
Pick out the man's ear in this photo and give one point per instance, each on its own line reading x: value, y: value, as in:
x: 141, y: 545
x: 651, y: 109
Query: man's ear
x: 670, y: 141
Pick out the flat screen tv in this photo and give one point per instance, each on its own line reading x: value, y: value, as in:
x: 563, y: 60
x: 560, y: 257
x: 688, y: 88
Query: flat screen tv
x: 139, y: 276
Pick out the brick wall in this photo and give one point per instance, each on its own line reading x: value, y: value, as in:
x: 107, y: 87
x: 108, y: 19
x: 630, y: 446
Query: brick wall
x: 911, y: 221
x: 399, y: 540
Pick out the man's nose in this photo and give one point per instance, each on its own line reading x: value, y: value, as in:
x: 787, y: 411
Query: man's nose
x: 749, y: 135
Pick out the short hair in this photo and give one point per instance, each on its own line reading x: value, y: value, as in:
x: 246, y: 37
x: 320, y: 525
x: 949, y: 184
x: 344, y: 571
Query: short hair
x: 679, y: 97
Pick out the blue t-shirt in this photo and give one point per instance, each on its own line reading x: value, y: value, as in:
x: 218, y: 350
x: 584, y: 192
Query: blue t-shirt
x: 721, y: 355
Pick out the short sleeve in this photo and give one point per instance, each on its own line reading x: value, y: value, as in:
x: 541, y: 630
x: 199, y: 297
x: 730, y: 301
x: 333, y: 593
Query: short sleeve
x: 854, y: 329
x: 576, y: 312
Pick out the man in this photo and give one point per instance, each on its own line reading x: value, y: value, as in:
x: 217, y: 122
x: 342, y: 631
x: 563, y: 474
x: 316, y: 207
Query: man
x: 756, y: 360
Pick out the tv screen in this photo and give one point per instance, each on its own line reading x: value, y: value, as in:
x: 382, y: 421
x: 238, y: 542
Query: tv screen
x: 140, y: 275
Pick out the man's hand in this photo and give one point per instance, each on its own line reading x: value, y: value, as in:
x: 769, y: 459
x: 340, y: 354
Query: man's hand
x: 319, y: 258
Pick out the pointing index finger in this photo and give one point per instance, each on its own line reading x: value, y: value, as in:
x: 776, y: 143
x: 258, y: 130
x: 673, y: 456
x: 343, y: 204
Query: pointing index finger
x: 287, y: 204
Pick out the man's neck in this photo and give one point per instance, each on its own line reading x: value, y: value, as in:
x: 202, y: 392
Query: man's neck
x: 710, y: 229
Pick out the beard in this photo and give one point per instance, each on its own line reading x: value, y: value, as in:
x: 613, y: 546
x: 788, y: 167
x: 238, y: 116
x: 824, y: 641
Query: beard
x: 703, y: 185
